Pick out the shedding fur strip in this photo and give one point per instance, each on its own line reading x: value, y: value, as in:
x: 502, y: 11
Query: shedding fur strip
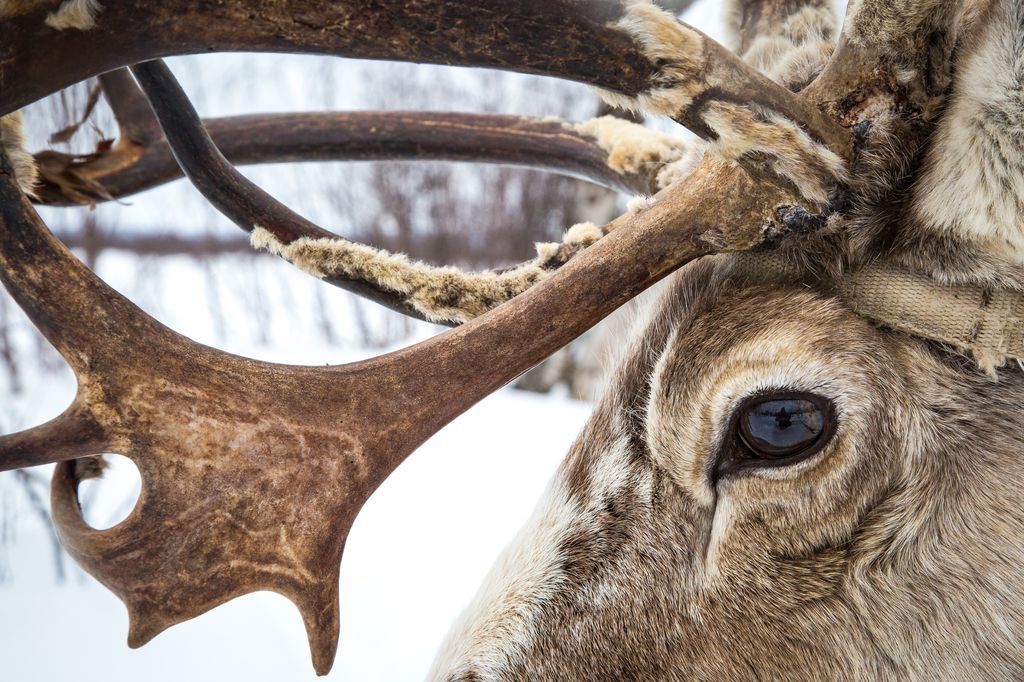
x: 739, y: 131
x: 742, y: 130
x: 80, y: 14
x: 987, y: 322
x: 440, y: 294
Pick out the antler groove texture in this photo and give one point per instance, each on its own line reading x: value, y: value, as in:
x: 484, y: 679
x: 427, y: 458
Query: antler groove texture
x: 562, y: 38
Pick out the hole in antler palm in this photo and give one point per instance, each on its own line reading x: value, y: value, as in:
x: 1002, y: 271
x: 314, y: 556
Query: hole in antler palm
x: 109, y: 489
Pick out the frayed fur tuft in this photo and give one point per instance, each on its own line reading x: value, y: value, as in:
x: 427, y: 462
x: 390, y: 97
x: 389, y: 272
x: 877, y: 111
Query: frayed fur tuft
x: 676, y: 48
x: 638, y: 204
x: 12, y: 139
x: 631, y: 147
x: 87, y: 468
x: 681, y: 168
x: 812, y: 167
x: 79, y: 14
x: 440, y: 294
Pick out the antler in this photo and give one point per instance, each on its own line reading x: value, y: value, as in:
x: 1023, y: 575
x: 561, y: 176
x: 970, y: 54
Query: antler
x: 552, y: 145
x: 566, y: 38
x: 636, y: 53
x: 892, y: 58
x: 253, y: 472
x: 392, y: 281
x: 140, y: 158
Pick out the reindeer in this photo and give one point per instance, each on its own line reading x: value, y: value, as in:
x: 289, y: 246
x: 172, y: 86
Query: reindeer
x: 803, y: 465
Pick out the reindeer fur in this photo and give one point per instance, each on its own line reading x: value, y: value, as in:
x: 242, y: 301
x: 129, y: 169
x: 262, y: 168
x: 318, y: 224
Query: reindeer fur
x: 895, y: 552
x: 79, y: 14
x: 665, y: 41
x: 739, y: 130
x: 632, y: 148
x: 794, y: 55
x: 973, y: 180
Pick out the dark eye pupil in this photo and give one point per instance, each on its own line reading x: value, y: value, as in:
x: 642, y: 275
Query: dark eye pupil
x: 781, y: 427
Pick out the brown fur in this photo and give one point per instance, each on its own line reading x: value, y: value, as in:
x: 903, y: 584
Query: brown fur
x: 893, y: 555
x: 440, y: 294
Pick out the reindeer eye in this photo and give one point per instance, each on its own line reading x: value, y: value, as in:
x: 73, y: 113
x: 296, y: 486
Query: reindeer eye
x: 782, y: 428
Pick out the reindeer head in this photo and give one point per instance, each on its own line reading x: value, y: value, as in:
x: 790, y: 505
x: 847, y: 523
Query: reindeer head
x: 796, y: 470
x: 774, y: 486
x: 771, y: 487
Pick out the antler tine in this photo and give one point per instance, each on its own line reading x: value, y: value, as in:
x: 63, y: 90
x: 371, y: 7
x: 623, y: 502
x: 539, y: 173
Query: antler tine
x: 248, y: 501
x: 75, y: 433
x: 560, y: 38
x: 557, y: 146
x: 135, y: 121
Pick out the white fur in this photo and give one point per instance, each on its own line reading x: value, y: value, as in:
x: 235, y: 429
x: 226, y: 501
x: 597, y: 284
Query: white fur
x: 498, y: 622
x: 716, y: 537
x: 632, y: 148
x: 79, y: 14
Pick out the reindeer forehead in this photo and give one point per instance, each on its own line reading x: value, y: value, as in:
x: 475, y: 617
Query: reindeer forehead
x: 717, y: 323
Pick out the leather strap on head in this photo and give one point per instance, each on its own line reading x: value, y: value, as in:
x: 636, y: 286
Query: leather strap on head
x: 987, y: 322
